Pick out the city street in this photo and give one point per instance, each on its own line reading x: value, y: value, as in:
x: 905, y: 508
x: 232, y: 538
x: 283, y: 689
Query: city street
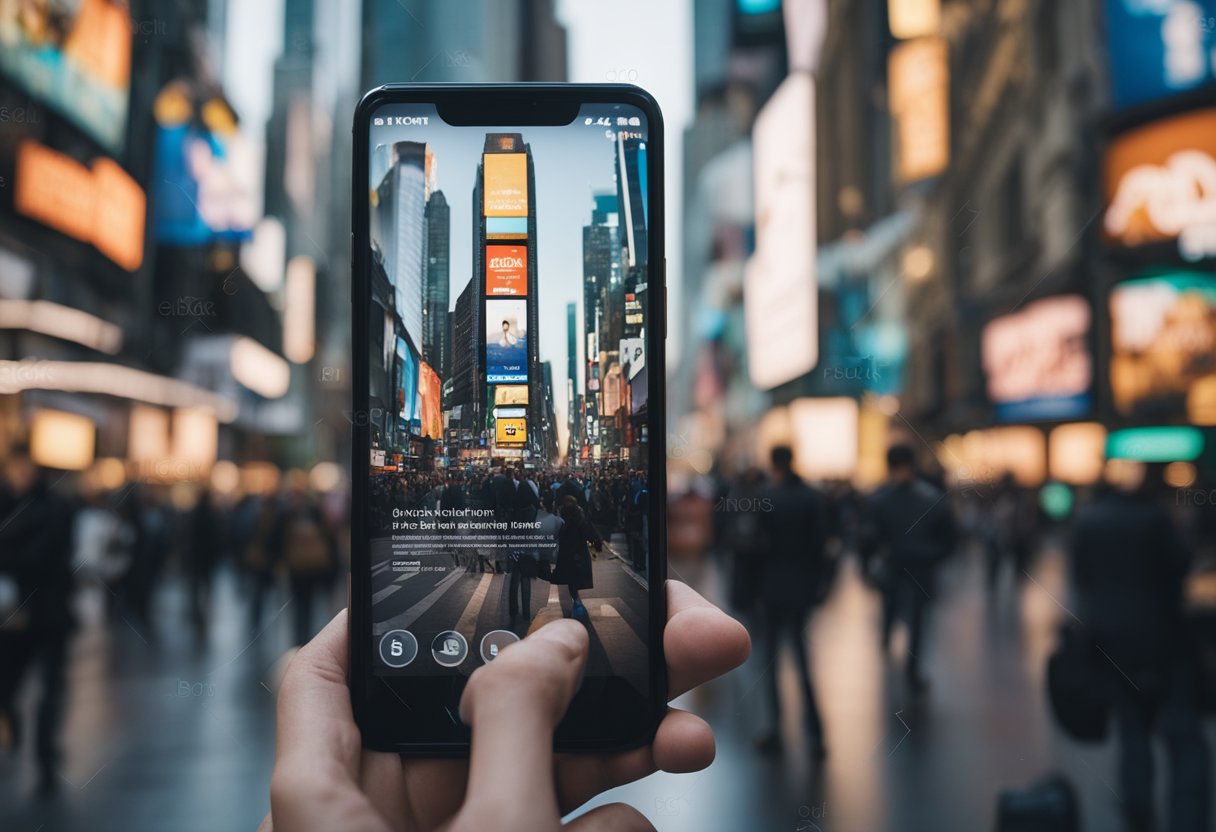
x: 151, y: 722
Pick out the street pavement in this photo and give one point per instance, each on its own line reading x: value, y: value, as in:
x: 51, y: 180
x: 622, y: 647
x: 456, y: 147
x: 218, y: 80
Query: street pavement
x: 164, y: 735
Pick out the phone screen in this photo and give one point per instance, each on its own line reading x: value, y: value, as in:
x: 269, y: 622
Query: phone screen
x: 507, y: 390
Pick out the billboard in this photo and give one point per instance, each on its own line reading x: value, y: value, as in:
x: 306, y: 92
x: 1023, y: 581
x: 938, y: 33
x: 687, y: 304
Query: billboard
x: 429, y: 412
x: 780, y: 289
x: 509, y: 395
x: 100, y: 205
x: 506, y: 228
x: 510, y: 432
x: 506, y: 271
x: 1159, y: 48
x: 505, y: 191
x: 407, y: 391
x: 1160, y: 183
x: 919, y: 76
x: 1037, y: 361
x: 506, y: 335
x: 1163, y: 345
x: 75, y: 57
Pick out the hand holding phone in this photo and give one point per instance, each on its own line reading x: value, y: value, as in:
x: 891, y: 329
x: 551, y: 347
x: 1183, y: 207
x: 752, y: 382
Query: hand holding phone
x: 323, y: 780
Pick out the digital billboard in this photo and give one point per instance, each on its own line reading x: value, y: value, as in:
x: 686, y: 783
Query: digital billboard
x: 510, y: 395
x: 407, y: 391
x: 429, y: 413
x: 1159, y: 48
x: 75, y: 57
x: 919, y: 75
x: 506, y: 271
x: 510, y: 431
x: 1037, y: 361
x: 506, y: 185
x: 1160, y: 183
x: 1163, y: 343
x: 506, y: 340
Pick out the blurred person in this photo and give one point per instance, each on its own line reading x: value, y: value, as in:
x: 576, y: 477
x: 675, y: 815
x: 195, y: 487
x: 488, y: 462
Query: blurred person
x: 789, y: 564
x: 743, y: 539
x: 503, y: 487
x: 1127, y: 570
x: 524, y: 559
x: 452, y: 499
x: 259, y: 558
x: 909, y: 531
x: 323, y: 780
x: 571, y: 488
x: 573, y: 568
x: 306, y: 547
x: 1015, y: 519
x: 637, y: 519
x: 202, y: 555
x: 36, y: 618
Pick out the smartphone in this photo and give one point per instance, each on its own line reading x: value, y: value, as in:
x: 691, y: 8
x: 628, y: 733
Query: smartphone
x: 508, y: 435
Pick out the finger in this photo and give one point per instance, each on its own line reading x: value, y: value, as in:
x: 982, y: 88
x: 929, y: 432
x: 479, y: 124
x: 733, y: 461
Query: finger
x: 683, y: 743
x: 314, y: 785
x: 614, y: 816
x: 513, y: 706
x: 381, y: 780
x: 700, y: 641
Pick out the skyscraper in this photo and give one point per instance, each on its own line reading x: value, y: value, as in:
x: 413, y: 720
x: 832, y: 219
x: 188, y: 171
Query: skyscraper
x: 401, y: 207
x: 436, y: 283
x: 601, y: 272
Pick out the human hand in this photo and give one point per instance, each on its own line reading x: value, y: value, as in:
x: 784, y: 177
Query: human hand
x: 324, y: 780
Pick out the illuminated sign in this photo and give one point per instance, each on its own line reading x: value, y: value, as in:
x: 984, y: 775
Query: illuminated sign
x: 780, y: 288
x: 510, y: 394
x: 1163, y: 343
x: 506, y: 334
x: 506, y: 271
x: 825, y: 434
x: 1161, y: 185
x: 430, y: 415
x: 75, y: 57
x: 100, y: 205
x: 918, y: 74
x: 1157, y: 444
x: 510, y: 431
x: 1163, y: 46
x: 1037, y: 360
x: 914, y: 18
x: 506, y: 185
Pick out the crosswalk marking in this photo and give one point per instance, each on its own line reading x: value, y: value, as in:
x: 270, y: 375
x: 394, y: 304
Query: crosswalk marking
x: 415, y: 612
x: 468, y: 619
x: 393, y: 587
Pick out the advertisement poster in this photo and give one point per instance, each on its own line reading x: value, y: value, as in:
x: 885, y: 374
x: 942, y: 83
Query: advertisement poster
x: 506, y: 188
x: 506, y: 340
x: 1165, y: 47
x: 1163, y: 342
x: 428, y: 402
x: 506, y: 271
x: 510, y: 431
x: 1037, y: 361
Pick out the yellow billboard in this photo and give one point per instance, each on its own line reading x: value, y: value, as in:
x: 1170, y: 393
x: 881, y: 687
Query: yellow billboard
x: 505, y: 191
x: 510, y: 431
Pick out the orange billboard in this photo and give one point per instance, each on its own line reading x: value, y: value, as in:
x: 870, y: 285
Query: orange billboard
x: 428, y: 399
x: 101, y: 205
x: 506, y: 395
x: 505, y: 191
x: 510, y: 431
x: 1159, y: 185
x: 506, y: 271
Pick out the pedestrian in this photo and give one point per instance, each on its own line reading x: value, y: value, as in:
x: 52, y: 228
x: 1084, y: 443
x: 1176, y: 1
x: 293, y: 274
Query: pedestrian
x: 573, y: 569
x: 1127, y: 571
x: 909, y: 531
x: 36, y: 618
x: 789, y: 564
x: 305, y: 545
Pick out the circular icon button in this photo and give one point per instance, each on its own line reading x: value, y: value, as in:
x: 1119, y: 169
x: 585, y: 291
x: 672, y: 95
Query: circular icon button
x: 449, y: 648
x: 398, y: 648
x: 494, y: 641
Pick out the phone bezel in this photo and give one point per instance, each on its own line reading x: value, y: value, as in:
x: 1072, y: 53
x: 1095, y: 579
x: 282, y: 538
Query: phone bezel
x: 539, y: 102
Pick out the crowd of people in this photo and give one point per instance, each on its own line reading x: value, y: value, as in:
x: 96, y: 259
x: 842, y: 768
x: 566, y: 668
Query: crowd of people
x: 61, y: 534
x: 1138, y: 665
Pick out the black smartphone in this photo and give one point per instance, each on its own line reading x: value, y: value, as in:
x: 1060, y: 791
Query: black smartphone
x: 508, y: 448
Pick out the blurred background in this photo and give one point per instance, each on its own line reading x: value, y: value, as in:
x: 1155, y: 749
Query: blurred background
x: 959, y: 256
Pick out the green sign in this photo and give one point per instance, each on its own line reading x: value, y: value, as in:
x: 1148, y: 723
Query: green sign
x: 1159, y: 444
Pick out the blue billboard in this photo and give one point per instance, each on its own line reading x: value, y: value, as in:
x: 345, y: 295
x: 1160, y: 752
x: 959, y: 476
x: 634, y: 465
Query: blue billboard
x: 1159, y: 48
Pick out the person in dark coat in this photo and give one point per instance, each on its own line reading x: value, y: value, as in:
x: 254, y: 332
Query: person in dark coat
x: 452, y: 499
x: 909, y: 531
x: 789, y: 563
x: 1128, y: 567
x: 502, y: 488
x: 36, y: 559
x: 571, y: 488
x: 573, y: 567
